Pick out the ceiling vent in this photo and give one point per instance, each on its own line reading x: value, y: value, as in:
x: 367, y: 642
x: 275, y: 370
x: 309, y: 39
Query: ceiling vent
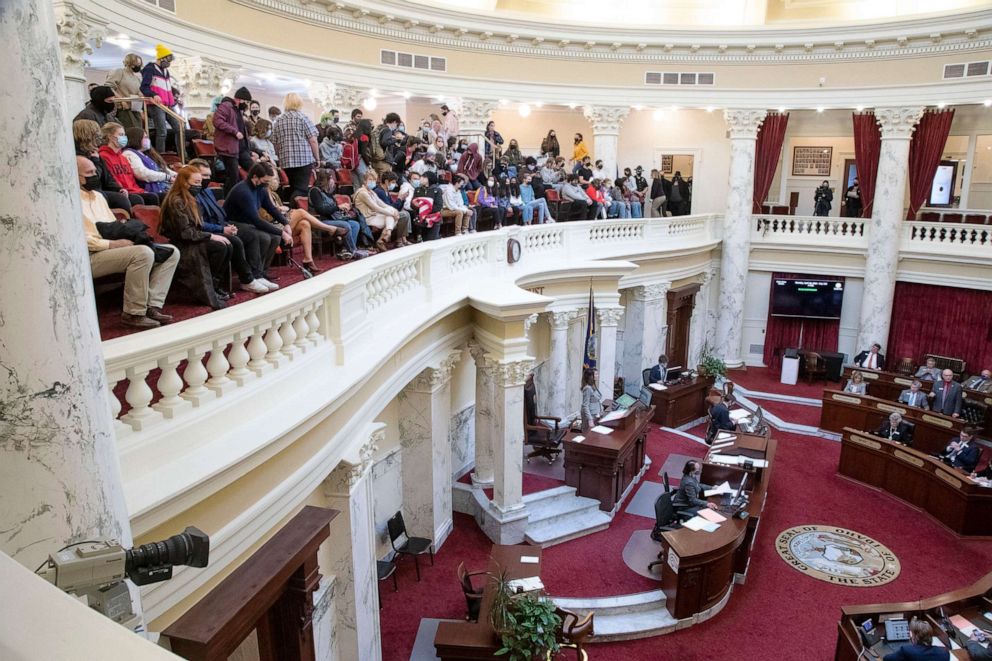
x: 953, y: 71
x: 978, y: 69
x: 167, y: 5
x: 676, y: 78
x: 413, y: 61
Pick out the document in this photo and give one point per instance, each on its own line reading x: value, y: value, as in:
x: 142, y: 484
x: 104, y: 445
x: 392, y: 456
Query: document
x: 737, y: 460
x: 657, y: 386
x: 527, y: 584
x: 698, y: 523
x: 529, y: 559
x: 963, y: 625
x: 724, y: 436
x: 578, y: 439
x: 739, y: 414
x: 613, y: 415
x: 712, y: 515
x: 600, y: 429
x: 721, y: 489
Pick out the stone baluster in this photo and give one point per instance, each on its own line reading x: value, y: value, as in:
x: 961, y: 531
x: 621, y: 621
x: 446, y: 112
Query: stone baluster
x: 195, y: 376
x: 239, y: 358
x: 313, y: 323
x: 273, y: 343
x: 170, y: 384
x: 288, y: 335
x: 301, y: 330
x: 138, y: 397
x: 257, y: 351
x: 217, y: 367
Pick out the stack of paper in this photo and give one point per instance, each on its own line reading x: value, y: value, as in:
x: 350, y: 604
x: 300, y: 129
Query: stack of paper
x: 739, y: 414
x: 963, y: 625
x: 699, y: 523
x: 578, y: 439
x: 657, y: 386
x: 712, y: 515
x: 716, y: 491
x: 737, y: 460
x: 600, y: 429
x: 613, y: 415
x: 527, y: 584
x: 529, y: 559
x: 723, y: 436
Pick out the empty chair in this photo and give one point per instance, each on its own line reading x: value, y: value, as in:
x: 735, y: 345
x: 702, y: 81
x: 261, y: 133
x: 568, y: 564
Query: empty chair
x: 545, y: 441
x: 385, y: 569
x: 473, y: 595
x: 574, y: 631
x: 905, y: 366
x: 204, y: 148
x: 403, y: 544
x: 646, y: 376
x: 815, y: 366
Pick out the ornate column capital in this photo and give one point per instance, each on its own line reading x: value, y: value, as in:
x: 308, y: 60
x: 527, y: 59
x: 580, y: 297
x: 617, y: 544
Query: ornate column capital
x: 529, y: 322
x: 200, y: 79
x: 346, y: 98
x: 354, y: 465
x: 605, y: 119
x: 76, y: 30
x: 609, y: 316
x: 433, y: 378
x: 743, y: 124
x: 513, y: 373
x: 561, y: 319
x: 323, y: 94
x: 898, y: 123
x: 475, y: 114
x: 652, y: 292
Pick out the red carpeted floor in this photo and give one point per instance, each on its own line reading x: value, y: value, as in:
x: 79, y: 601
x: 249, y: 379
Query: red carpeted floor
x: 802, y: 414
x: 778, y: 613
x: 763, y: 379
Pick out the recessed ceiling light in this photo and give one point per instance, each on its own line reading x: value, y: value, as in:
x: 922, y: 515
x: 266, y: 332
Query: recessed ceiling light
x: 406, y: 95
x: 538, y: 104
x: 942, y: 105
x: 658, y: 114
x: 782, y: 108
x: 860, y: 108
x: 524, y: 110
x: 370, y: 104
x: 637, y: 106
x: 987, y: 103
x: 373, y: 93
x: 573, y: 106
x: 710, y: 108
x: 503, y: 102
x: 820, y: 109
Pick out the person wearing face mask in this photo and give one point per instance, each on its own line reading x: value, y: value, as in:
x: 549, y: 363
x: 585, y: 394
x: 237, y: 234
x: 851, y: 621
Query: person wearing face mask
x: 579, y: 149
x: 389, y: 186
x: 489, y: 206
x: 449, y: 123
x: 157, y: 84
x: 687, y: 498
x: 823, y: 199
x: 470, y: 166
x: 87, y: 138
x: 112, y: 154
x: 598, y: 172
x: 261, y: 141
x: 512, y: 154
x: 377, y: 213
x: 533, y: 203
x: 454, y: 206
x: 126, y: 82
x: 429, y: 201
x: 324, y: 205
x: 101, y: 107
x: 242, y: 206
x: 204, y: 257
x: 149, y: 169
x: 332, y: 148
x: 231, y: 137
x: 302, y: 224
x: 549, y: 146
x: 254, y: 113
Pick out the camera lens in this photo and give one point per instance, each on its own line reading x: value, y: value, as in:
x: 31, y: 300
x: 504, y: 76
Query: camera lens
x: 150, y: 563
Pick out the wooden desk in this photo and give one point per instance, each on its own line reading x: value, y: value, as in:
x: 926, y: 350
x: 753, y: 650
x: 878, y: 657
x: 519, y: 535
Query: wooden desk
x: 863, y: 412
x: 680, y: 403
x: 700, y: 567
x: 477, y: 640
x: 946, y: 494
x: 969, y: 602
x: 603, y: 466
x: 886, y: 385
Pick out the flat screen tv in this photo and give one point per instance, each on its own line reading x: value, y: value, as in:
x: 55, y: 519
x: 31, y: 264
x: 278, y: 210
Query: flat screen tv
x: 807, y: 297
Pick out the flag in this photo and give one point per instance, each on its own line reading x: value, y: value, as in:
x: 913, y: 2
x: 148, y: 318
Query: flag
x: 589, y: 360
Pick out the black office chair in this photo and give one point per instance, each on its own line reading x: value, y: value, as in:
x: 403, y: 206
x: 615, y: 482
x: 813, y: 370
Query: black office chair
x: 646, y: 376
x: 666, y: 516
x: 385, y: 569
x: 544, y: 441
x: 403, y: 544
x: 668, y: 487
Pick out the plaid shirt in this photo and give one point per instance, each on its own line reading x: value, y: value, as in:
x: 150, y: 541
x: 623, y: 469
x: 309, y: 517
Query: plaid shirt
x: 291, y: 134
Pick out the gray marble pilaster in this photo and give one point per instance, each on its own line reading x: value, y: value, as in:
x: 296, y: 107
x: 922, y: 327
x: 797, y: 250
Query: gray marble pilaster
x: 698, y: 322
x: 482, y: 475
x: 644, y: 331
x: 557, y: 382
x: 608, y: 319
x: 883, y: 229
x: 58, y: 458
x: 743, y: 129
x: 508, y: 434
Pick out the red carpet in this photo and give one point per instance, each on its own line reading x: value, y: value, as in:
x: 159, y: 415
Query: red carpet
x: 762, y: 379
x: 799, y: 413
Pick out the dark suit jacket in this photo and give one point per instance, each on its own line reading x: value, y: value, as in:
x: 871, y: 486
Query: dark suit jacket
x: 690, y: 493
x: 656, y: 373
x: 880, y: 360
x: 949, y: 405
x: 903, y: 433
x: 977, y: 652
x: 967, y: 459
x: 720, y: 415
x: 915, y: 652
x: 921, y: 399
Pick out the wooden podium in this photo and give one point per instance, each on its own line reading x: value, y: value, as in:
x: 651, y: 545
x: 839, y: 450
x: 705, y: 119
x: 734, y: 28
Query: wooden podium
x: 680, y: 403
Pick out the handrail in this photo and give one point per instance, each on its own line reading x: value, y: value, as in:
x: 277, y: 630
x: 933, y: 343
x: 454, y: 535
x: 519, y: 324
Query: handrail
x: 144, y: 101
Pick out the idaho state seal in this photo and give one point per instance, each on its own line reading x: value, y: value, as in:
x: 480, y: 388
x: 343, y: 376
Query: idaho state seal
x: 837, y: 555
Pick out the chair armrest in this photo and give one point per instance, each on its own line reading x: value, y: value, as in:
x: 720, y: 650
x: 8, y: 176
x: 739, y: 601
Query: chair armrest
x: 555, y: 419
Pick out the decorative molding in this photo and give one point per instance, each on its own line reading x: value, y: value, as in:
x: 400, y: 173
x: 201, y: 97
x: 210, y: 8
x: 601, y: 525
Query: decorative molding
x: 529, y: 322
x: 432, y: 378
x: 561, y: 319
x: 354, y: 466
x: 609, y: 316
x: 605, y: 119
x: 652, y: 292
x: 475, y: 114
x: 76, y: 29
x: 324, y: 95
x: 513, y: 373
x: 347, y: 97
x: 898, y: 123
x: 200, y: 79
x: 743, y: 124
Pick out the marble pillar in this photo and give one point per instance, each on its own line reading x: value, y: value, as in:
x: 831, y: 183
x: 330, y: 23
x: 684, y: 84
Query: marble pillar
x: 78, y: 33
x: 742, y: 127
x: 608, y: 319
x: 576, y: 360
x: 473, y: 116
x: 556, y: 396
x: 606, y: 122
x: 324, y: 618
x: 508, y: 434
x: 200, y: 80
x: 348, y: 489
x: 645, y: 331
x: 884, y: 227
x: 424, y: 429
x: 59, y: 469
x: 482, y: 474
x: 700, y: 315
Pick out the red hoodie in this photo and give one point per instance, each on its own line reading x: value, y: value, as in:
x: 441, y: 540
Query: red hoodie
x: 119, y: 166
x: 595, y: 194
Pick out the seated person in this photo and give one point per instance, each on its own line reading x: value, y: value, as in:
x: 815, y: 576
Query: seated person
x: 962, y: 452
x: 720, y: 419
x: 112, y: 153
x: 871, y: 359
x: 914, y: 396
x: 242, y: 205
x: 896, y: 429
x: 947, y: 395
x: 856, y: 384
x: 377, y: 213
x: 429, y: 202
x: 976, y: 651
x: 321, y: 201
x: 261, y: 140
x: 303, y: 224
x: 658, y: 371
x: 205, y: 257
x: 389, y: 183
x: 920, y: 647
x: 985, y: 473
x: 454, y: 206
x: 572, y: 192
x: 980, y: 382
x: 146, y: 282
x: 150, y: 171
x: 87, y: 137
x: 928, y: 372
x: 687, y: 497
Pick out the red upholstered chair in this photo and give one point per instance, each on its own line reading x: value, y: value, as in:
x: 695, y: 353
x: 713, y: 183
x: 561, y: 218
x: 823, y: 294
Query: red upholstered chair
x: 342, y: 181
x: 172, y: 159
x: 204, y: 148
x: 197, y: 124
x: 152, y: 218
x: 559, y: 208
x: 952, y: 218
x: 976, y: 219
x: 120, y: 214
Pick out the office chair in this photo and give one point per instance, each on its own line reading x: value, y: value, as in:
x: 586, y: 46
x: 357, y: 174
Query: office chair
x: 646, y: 377
x: 403, y: 544
x: 545, y: 441
x: 666, y: 516
x: 473, y: 595
x: 574, y: 631
x: 668, y: 487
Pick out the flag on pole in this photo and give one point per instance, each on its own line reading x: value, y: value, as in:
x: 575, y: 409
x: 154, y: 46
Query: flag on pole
x: 589, y: 360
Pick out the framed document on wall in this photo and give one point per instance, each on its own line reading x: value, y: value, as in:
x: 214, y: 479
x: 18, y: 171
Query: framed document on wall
x: 812, y: 161
x: 667, y: 163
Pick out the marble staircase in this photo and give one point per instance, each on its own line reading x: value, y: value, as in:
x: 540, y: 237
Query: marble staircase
x: 558, y: 515
x: 626, y: 617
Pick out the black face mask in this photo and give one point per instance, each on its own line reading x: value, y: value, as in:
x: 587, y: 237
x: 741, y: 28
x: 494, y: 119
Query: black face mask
x: 195, y: 190
x: 92, y: 182
x: 136, y: 68
x: 105, y: 106
x: 254, y: 113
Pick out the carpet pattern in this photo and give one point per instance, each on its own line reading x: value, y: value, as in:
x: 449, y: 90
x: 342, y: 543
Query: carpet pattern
x: 837, y: 555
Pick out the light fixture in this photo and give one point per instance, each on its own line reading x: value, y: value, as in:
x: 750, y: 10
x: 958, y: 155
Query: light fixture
x: 820, y: 109
x: 373, y: 93
x: 538, y: 104
x: 524, y: 110
x: 637, y: 106
x: 658, y: 114
x: 782, y: 108
x: 573, y: 106
x: 860, y: 108
x: 226, y: 85
x: 942, y: 105
x: 675, y: 108
x: 710, y: 108
x: 406, y: 95
x: 987, y: 103
x: 370, y: 103
x: 503, y: 102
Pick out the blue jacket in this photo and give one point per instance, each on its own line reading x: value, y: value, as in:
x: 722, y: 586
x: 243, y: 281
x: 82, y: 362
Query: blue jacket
x: 211, y: 214
x: 916, y: 652
x: 384, y: 196
x: 656, y: 374
x: 243, y: 202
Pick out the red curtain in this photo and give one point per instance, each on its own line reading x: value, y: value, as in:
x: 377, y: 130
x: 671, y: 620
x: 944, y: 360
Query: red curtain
x: 783, y: 332
x: 766, y: 155
x: 867, y: 146
x: 925, y: 151
x: 943, y: 320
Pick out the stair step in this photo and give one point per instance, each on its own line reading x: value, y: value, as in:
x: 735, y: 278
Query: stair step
x: 619, y: 605
x: 630, y: 626
x: 559, y: 508
x: 562, y: 529
x: 534, y: 498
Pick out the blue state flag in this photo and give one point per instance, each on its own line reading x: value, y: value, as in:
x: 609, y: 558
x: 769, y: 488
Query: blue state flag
x: 589, y: 360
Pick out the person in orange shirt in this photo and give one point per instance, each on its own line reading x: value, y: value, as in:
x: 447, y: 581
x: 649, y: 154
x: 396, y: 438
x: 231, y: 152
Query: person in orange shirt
x: 579, y: 150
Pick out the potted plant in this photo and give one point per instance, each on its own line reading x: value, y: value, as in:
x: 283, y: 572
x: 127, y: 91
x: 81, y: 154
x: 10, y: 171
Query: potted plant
x: 710, y: 365
x: 530, y: 630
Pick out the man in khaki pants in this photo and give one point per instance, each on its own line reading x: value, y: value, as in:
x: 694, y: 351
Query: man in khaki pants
x: 145, y: 282
x: 454, y: 206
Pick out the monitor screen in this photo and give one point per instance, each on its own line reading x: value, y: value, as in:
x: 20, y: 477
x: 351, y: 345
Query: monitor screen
x: 672, y: 373
x: 624, y: 401
x: 645, y: 397
x: 807, y: 297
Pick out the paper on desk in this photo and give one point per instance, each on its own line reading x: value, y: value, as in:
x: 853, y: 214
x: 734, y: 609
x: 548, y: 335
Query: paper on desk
x: 613, y: 415
x: 657, y: 386
x: 739, y: 414
x: 712, y: 516
x: 698, y: 523
x: 737, y: 460
x: 578, y: 439
x: 529, y: 559
x: 527, y: 584
x: 937, y: 642
x: 600, y: 429
x: 723, y: 436
x: 962, y: 625
x: 723, y: 488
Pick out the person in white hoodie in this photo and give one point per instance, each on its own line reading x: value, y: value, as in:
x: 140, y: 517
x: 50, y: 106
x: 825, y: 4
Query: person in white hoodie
x: 454, y: 205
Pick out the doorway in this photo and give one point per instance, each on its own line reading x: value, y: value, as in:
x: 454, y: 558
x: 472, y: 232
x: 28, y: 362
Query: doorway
x: 677, y: 166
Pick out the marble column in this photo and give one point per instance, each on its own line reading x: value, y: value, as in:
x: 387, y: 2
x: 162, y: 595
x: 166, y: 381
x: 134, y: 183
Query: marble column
x: 351, y: 550
x: 482, y: 474
x: 608, y: 319
x: 886, y: 219
x: 508, y: 434
x: 742, y: 127
x: 78, y: 32
x: 59, y: 469
x: 700, y: 314
x: 557, y: 401
x: 424, y: 424
x: 200, y: 79
x: 644, y: 336
x: 606, y: 122
x: 472, y: 119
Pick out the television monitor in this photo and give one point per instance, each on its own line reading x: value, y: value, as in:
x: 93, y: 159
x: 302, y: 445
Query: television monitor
x: 811, y: 298
x: 645, y: 397
x: 673, y: 373
x: 624, y: 401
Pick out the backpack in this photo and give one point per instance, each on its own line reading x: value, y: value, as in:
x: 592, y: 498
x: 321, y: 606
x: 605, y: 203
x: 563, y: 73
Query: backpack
x: 376, y: 152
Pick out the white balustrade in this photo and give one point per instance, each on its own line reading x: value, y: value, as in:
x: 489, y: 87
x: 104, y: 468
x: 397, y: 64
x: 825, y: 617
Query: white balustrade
x: 469, y: 255
x: 958, y: 239
x: 808, y: 230
x: 617, y: 231
x: 543, y: 238
x: 218, y: 367
x: 170, y: 384
x: 392, y: 281
x: 195, y: 375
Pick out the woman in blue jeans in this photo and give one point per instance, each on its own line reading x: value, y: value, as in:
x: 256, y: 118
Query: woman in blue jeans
x: 532, y: 203
x: 322, y: 205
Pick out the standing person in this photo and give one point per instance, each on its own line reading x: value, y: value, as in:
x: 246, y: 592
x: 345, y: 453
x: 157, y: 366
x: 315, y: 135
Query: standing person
x: 157, y: 84
x: 126, y: 82
x: 592, y: 399
x: 679, y: 198
x: 659, y: 198
x: 384, y: 143
x: 947, y: 395
x: 231, y: 137
x: 470, y: 166
x: 101, y: 107
x: 295, y: 138
x: 494, y: 142
x: 823, y: 199
x: 549, y: 146
x: 513, y: 155
x: 204, y: 257
x: 579, y: 149
x: 449, y: 124
x: 852, y: 200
